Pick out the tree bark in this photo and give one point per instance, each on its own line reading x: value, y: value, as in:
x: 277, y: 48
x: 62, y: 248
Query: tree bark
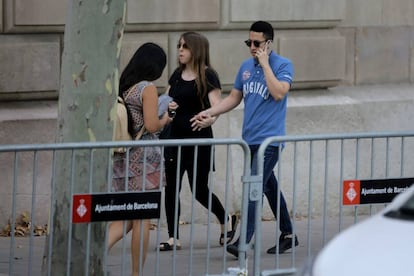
x: 87, y: 96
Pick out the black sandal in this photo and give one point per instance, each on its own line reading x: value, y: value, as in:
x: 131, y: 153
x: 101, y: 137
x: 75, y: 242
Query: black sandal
x: 230, y: 234
x: 166, y: 246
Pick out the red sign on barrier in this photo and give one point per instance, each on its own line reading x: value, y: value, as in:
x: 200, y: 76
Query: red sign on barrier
x: 81, y: 209
x: 372, y: 191
x: 351, y: 192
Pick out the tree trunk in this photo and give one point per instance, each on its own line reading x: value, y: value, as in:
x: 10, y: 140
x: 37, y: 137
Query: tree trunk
x: 88, y: 91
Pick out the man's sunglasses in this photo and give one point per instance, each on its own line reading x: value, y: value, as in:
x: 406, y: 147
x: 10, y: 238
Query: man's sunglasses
x: 184, y: 45
x: 256, y: 43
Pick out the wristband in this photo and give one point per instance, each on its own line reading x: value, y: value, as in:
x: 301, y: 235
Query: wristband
x: 171, y: 113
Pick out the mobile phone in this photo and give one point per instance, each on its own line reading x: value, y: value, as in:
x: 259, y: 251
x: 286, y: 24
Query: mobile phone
x: 267, y: 45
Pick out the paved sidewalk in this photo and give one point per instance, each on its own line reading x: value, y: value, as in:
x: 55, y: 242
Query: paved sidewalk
x: 218, y: 260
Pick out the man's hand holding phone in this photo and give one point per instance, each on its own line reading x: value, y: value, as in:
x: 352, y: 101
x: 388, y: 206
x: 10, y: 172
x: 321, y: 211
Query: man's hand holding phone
x: 262, y: 54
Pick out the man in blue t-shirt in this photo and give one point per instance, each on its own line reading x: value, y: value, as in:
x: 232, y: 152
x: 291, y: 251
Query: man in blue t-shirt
x: 263, y: 81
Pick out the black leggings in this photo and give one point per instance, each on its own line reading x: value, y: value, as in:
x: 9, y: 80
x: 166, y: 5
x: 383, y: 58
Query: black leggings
x: 202, y: 189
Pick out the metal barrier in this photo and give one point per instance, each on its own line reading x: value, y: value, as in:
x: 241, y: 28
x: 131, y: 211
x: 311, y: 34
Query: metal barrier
x: 201, y: 254
x: 311, y: 170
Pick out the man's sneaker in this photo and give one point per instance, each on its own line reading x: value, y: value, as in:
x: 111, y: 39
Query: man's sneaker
x: 233, y: 249
x: 285, y: 243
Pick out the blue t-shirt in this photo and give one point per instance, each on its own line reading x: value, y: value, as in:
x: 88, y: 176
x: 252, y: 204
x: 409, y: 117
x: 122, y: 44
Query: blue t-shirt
x: 263, y: 115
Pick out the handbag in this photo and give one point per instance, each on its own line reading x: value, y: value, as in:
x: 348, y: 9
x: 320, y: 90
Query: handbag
x: 170, y: 153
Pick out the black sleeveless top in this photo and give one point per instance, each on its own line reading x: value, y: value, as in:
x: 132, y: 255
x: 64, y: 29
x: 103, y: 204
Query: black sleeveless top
x: 185, y: 95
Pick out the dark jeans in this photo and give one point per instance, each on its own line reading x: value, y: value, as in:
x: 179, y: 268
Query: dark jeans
x: 269, y: 189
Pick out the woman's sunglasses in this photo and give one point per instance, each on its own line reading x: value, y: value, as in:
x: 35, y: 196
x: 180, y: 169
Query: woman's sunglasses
x: 256, y: 43
x: 184, y: 45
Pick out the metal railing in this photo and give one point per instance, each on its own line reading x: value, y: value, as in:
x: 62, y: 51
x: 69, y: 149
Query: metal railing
x: 310, y: 171
x: 27, y: 259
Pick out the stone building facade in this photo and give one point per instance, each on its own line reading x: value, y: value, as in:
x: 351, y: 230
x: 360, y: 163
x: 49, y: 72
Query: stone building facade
x: 352, y: 42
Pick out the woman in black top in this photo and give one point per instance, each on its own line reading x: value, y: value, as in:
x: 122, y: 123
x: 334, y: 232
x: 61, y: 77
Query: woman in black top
x: 194, y: 86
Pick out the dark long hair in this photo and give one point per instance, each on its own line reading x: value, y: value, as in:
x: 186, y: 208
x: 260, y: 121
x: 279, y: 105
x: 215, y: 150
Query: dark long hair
x: 147, y: 63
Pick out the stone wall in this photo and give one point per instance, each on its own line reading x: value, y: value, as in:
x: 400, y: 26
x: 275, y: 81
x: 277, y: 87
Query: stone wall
x: 330, y: 42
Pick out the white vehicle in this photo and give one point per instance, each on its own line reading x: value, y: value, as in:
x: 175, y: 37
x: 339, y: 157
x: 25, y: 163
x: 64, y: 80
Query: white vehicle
x: 381, y: 245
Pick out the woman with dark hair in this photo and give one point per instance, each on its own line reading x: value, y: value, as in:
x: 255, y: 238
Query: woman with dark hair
x: 194, y: 86
x: 141, y: 99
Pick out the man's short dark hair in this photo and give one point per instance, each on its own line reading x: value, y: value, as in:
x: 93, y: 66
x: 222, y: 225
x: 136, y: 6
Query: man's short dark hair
x: 263, y: 27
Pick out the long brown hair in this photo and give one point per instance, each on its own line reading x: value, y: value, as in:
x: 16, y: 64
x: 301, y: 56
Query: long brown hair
x: 200, y: 60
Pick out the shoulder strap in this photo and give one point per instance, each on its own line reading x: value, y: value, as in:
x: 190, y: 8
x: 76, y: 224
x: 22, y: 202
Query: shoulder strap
x: 139, y: 134
x: 129, y: 92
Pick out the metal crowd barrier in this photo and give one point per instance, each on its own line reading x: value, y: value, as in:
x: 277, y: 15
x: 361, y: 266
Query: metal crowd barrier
x: 33, y: 255
x: 311, y: 172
